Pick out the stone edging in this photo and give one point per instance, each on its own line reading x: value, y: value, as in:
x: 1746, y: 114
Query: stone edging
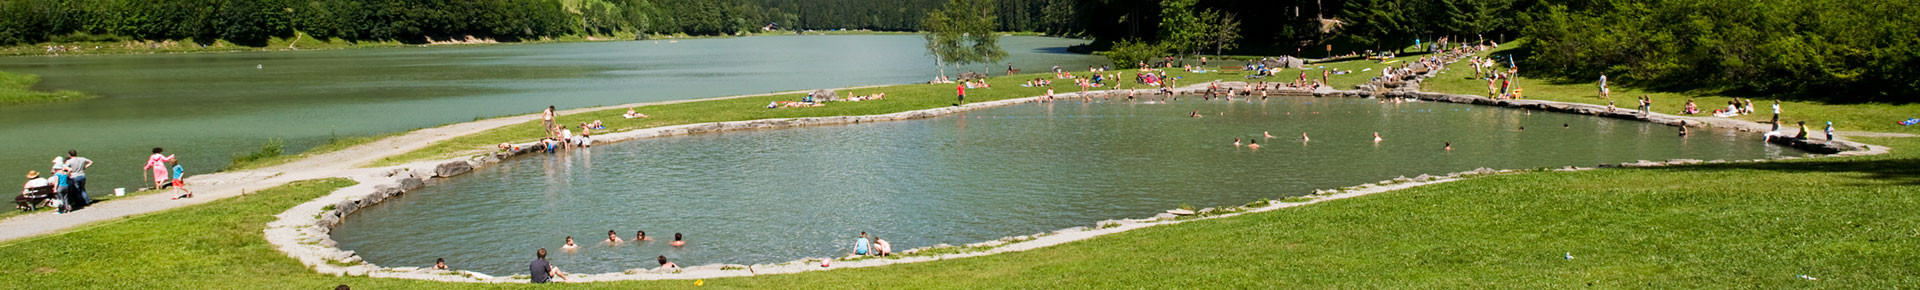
x: 303, y: 231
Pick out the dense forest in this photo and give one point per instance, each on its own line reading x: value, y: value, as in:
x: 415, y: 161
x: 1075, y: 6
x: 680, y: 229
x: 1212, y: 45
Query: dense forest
x: 1836, y: 50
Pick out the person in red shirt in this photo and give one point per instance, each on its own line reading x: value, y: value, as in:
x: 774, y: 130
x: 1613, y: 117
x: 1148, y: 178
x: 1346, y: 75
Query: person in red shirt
x: 961, y: 91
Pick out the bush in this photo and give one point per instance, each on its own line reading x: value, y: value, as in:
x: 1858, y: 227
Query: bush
x: 1130, y: 53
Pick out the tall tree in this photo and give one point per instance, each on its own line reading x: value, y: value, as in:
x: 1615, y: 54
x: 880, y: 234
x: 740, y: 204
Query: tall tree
x: 1226, y: 33
x: 1182, y: 27
x: 962, y: 34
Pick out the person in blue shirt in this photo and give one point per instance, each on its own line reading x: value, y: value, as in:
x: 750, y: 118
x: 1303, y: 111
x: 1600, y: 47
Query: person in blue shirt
x: 179, y: 172
x: 861, y: 245
x: 62, y: 187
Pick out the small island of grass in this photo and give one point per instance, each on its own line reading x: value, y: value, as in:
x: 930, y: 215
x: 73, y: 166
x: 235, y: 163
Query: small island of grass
x: 17, y: 89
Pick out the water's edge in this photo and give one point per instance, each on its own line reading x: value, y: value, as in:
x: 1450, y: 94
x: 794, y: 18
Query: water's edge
x: 303, y: 231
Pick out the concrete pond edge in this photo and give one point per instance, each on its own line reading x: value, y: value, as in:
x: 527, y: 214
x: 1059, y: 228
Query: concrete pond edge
x: 303, y: 232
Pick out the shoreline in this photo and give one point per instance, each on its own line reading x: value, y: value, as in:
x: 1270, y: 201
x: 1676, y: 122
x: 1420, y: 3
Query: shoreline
x: 302, y: 231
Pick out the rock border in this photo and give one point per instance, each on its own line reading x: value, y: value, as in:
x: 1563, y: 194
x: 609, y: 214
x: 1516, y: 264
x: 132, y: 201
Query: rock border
x: 302, y: 232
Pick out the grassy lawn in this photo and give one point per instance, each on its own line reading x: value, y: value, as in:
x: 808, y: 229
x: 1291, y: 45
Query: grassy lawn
x: 1874, y: 117
x: 334, y: 145
x: 17, y: 88
x: 1843, y: 221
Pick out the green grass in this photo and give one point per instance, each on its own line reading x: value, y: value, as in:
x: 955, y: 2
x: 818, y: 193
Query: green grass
x: 1874, y: 117
x: 269, y: 160
x: 17, y: 89
x: 1844, y: 221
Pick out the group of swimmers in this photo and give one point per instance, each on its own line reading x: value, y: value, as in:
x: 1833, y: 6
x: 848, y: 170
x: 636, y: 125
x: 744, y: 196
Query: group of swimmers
x: 542, y: 271
x: 1255, y: 144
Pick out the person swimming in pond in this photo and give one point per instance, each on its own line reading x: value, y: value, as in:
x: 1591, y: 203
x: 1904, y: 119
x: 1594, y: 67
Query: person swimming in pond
x: 569, y: 246
x: 612, y: 238
x: 1195, y: 114
x: 1253, y: 144
x: 677, y: 242
x: 664, y: 264
x: 1376, y: 137
x: 1268, y: 134
x: 440, y: 264
x: 641, y: 236
x: 1566, y: 126
x: 1236, y: 142
x: 1303, y: 137
x: 1523, y: 128
x: 1449, y: 146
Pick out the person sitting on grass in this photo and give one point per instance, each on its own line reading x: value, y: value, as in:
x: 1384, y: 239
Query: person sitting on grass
x: 860, y: 245
x: 881, y: 247
x: 540, y: 271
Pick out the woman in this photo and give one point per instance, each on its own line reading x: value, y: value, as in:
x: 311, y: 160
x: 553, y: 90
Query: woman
x: 63, y: 190
x: 1376, y: 137
x: 158, y: 164
x: 1236, y: 142
x: 881, y: 247
x: 677, y: 242
x: 641, y: 236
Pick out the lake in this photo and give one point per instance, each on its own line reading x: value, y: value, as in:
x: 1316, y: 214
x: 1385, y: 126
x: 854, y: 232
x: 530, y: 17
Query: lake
x: 209, y: 107
x: 780, y: 195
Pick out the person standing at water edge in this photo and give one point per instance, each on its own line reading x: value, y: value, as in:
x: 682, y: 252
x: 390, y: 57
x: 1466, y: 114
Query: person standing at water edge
x: 158, y: 163
x: 960, y: 93
x: 79, y: 166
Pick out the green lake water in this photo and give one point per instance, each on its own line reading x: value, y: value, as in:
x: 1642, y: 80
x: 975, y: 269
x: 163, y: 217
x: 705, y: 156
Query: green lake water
x: 210, y: 107
x: 780, y: 195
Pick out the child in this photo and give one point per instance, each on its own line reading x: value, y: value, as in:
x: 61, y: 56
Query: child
x: 179, y: 172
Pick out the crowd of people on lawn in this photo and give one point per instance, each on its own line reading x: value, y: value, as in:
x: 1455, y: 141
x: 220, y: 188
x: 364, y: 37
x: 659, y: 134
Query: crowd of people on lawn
x: 64, y: 186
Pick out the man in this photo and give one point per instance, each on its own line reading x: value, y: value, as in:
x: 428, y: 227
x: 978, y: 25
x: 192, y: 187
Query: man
x: 540, y: 271
x: 1603, y: 86
x: 961, y: 91
x: 79, y: 166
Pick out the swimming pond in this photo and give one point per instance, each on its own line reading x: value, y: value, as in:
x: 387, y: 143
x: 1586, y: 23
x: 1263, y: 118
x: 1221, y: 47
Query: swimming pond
x: 779, y: 195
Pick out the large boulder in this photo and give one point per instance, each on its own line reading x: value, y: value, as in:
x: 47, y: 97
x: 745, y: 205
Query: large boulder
x: 453, y: 168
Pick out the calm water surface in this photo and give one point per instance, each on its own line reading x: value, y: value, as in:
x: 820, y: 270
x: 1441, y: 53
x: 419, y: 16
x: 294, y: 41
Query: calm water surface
x: 781, y: 195
x: 209, y: 107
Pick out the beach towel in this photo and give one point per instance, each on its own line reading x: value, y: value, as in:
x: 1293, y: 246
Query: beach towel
x: 1910, y: 122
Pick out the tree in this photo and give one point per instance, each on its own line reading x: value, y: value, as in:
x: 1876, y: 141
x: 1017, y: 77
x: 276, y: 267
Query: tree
x: 962, y: 33
x: 1181, y: 28
x: 1226, y: 34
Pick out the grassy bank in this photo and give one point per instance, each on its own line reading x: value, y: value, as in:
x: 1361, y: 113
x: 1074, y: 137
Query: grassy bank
x: 1763, y: 225
x: 269, y: 155
x: 1874, y: 117
x: 17, y: 89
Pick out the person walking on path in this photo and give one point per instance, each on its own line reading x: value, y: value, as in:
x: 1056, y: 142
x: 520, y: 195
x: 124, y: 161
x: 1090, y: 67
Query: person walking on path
x: 1829, y: 130
x: 78, y: 165
x: 158, y: 164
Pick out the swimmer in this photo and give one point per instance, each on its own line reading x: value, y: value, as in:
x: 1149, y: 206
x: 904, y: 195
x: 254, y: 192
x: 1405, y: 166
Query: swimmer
x: 1253, y: 144
x: 1236, y: 142
x: 440, y: 264
x: 667, y: 265
x: 1523, y: 128
x: 1449, y: 146
x: 1683, y: 128
x: 1566, y: 126
x: 1303, y: 137
x: 612, y: 239
x: 641, y: 236
x: 1376, y: 137
x: 1195, y: 114
x: 677, y: 242
x: 1268, y: 134
x: 569, y: 246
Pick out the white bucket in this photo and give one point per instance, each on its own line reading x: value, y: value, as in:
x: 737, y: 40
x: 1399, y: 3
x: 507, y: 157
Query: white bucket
x: 120, y: 191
